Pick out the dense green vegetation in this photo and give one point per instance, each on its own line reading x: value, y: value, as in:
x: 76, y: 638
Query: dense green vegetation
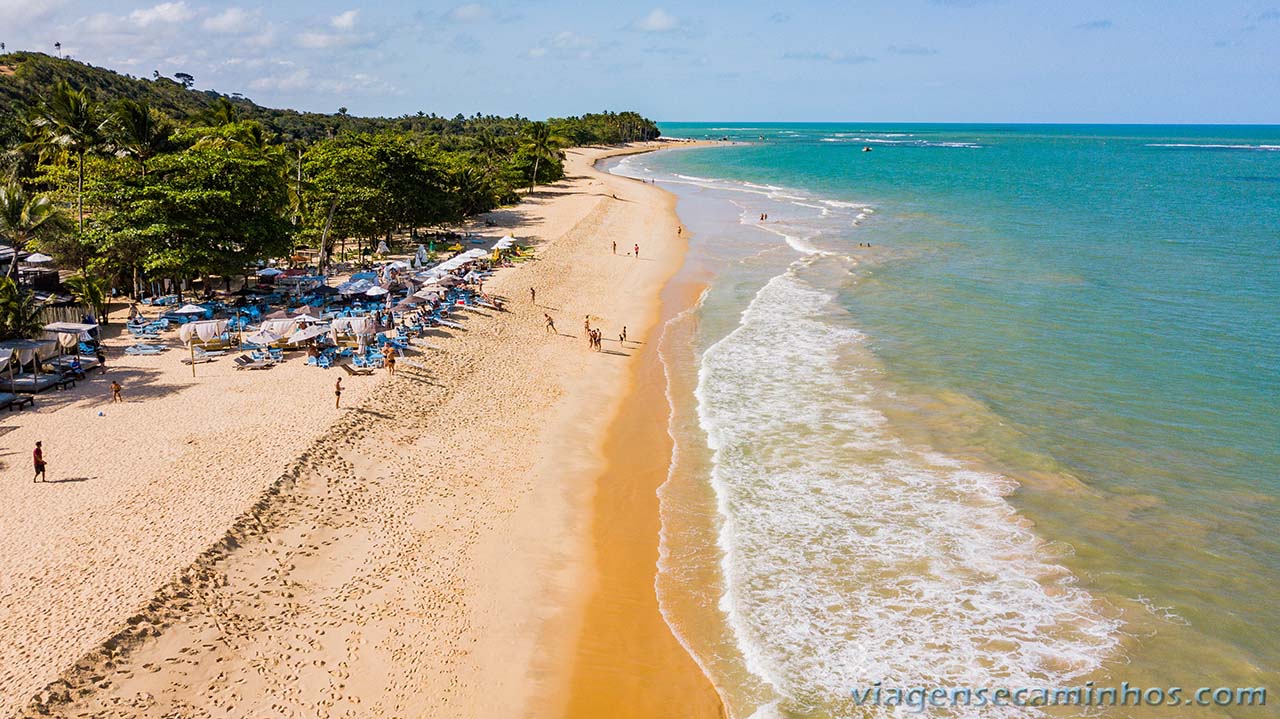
x: 125, y: 179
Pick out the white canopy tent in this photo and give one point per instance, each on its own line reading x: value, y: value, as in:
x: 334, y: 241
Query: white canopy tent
x: 279, y: 327
x: 204, y: 330
x: 359, y: 326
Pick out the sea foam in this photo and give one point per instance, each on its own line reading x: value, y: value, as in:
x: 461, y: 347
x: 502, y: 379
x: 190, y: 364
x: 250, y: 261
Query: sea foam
x: 852, y: 558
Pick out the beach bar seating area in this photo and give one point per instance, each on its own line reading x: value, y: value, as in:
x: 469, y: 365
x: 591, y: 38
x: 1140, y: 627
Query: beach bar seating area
x: 355, y: 324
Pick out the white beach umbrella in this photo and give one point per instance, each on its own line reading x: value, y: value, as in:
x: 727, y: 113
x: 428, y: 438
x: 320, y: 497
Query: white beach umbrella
x: 375, y: 291
x: 36, y: 258
x: 262, y: 337
x: 269, y: 272
x: 354, y: 287
x: 308, y: 333
x: 190, y: 310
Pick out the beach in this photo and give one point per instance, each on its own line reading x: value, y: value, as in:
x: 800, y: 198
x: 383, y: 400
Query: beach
x: 233, y: 545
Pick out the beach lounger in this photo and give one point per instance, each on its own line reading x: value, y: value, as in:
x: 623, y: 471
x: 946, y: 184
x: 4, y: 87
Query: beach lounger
x: 247, y: 362
x: 200, y: 356
x: 361, y: 371
x: 144, y: 349
x: 28, y: 383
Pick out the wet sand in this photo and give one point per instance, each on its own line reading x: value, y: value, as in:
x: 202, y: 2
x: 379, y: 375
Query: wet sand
x: 424, y: 553
x: 628, y: 663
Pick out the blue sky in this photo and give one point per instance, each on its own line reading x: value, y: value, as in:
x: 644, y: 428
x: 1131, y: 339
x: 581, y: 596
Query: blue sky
x: 904, y: 60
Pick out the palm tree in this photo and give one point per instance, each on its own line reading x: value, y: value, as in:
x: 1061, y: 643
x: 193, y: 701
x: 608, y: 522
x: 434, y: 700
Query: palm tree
x: 491, y: 148
x: 90, y: 292
x: 473, y: 192
x: 223, y: 112
x: 543, y: 144
x: 74, y: 123
x: 140, y: 133
x: 19, y: 311
x: 23, y: 218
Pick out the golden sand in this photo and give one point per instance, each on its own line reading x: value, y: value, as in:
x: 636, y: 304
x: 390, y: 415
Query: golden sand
x: 234, y: 546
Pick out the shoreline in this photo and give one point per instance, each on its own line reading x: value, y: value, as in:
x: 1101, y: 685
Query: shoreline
x: 629, y: 663
x: 418, y: 554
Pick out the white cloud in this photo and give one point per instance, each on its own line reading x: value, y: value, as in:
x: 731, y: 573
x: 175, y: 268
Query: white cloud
x: 325, y: 40
x: 566, y: 44
x: 470, y: 12
x: 658, y: 20
x: 296, y: 80
x: 20, y: 13
x: 569, y: 40
x: 835, y: 56
x: 303, y: 79
x: 166, y: 12
x: 233, y: 19
x: 345, y: 21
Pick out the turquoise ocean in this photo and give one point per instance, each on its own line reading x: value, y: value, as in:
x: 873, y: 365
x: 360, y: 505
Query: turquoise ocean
x: 981, y: 406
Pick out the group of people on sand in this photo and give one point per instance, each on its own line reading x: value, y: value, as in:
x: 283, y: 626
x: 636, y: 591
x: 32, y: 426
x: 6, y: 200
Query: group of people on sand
x: 636, y: 247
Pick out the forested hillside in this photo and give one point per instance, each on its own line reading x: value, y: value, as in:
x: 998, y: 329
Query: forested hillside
x: 126, y: 179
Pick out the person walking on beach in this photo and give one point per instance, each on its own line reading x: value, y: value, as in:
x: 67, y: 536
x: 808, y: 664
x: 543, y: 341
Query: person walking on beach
x: 38, y: 457
x: 337, y: 394
x: 533, y: 295
x: 622, y: 336
x: 115, y: 392
x: 102, y: 361
x: 637, y: 250
x: 551, y: 324
x: 615, y: 247
x: 391, y: 362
